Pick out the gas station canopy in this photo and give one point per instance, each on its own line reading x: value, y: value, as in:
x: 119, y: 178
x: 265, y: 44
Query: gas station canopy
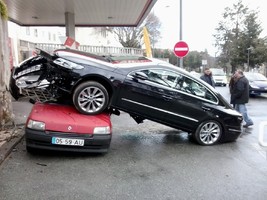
x: 86, y: 12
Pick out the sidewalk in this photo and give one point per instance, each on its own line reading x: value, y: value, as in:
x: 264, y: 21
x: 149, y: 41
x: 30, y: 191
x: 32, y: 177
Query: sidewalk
x: 12, y: 135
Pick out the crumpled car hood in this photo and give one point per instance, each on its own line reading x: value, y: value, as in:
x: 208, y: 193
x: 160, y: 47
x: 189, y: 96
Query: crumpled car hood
x: 64, y: 118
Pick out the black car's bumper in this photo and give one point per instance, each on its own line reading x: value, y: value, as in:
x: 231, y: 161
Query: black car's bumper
x: 257, y: 91
x: 43, y: 140
x: 232, y: 133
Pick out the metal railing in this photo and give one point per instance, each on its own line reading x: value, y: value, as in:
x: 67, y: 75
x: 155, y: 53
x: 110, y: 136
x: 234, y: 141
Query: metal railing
x: 99, y: 50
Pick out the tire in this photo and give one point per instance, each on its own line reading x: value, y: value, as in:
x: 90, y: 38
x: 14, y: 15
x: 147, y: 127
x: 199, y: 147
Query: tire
x: 90, y: 98
x: 208, y: 133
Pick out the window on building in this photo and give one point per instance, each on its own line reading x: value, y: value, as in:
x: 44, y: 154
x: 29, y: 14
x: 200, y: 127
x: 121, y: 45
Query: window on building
x: 103, y: 32
x: 35, y: 32
x: 27, y: 30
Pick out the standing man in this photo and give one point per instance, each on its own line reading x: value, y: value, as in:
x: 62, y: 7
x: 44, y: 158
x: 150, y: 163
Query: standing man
x: 240, y: 96
x: 207, y: 77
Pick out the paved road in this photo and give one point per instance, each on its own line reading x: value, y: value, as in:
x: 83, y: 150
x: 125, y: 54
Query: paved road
x: 146, y: 161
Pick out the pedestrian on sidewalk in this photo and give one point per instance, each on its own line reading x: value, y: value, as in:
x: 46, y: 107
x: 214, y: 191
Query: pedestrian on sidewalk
x: 240, y: 96
x: 207, y: 77
x: 231, y: 85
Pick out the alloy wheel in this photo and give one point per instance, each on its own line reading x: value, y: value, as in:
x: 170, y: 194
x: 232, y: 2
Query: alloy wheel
x: 91, y: 99
x: 208, y: 133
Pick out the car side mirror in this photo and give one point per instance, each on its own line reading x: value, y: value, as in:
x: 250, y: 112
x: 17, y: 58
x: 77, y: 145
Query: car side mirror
x: 140, y: 75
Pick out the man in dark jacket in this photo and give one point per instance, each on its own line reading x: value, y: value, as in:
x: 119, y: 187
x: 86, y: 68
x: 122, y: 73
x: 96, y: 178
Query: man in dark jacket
x: 240, y: 96
x: 207, y: 77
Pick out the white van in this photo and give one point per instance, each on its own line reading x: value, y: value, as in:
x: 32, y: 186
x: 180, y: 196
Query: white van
x: 219, y: 76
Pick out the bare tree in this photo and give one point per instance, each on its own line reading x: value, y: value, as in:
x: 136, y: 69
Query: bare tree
x: 133, y: 36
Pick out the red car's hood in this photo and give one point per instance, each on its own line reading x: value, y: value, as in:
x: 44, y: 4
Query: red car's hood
x: 67, y: 119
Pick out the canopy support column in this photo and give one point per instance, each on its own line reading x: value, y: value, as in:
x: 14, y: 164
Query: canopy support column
x: 70, y: 24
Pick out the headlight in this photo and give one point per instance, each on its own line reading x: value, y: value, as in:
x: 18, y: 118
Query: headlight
x: 102, y: 130
x: 254, y: 86
x: 36, y: 125
x: 29, y: 70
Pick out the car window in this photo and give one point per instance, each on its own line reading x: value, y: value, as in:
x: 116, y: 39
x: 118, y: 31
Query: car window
x: 190, y: 86
x: 179, y: 82
x: 163, y: 77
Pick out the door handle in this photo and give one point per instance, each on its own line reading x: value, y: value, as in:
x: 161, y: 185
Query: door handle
x: 167, y: 98
x: 205, y: 108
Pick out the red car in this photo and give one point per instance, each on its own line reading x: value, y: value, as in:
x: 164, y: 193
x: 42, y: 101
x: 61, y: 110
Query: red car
x: 62, y: 127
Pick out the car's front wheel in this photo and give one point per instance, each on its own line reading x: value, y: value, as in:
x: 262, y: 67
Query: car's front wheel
x: 90, y: 98
x: 208, y: 133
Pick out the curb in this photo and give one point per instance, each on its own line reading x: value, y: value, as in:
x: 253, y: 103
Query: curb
x: 7, y: 147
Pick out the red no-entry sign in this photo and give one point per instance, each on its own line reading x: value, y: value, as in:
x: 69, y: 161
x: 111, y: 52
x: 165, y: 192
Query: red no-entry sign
x: 181, y: 49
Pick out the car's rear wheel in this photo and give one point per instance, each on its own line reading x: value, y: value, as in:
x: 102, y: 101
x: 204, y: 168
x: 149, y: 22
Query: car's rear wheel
x: 90, y: 98
x: 208, y: 133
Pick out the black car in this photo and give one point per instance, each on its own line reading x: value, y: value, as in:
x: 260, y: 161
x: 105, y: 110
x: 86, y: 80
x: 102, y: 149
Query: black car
x: 146, y: 89
x: 257, y: 83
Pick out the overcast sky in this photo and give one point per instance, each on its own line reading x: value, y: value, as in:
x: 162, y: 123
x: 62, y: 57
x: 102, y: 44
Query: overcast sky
x: 200, y: 18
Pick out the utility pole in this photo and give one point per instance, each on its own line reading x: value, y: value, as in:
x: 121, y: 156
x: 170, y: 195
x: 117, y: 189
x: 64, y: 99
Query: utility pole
x: 181, y: 30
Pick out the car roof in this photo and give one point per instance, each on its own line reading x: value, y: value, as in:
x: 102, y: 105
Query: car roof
x: 254, y: 76
x: 106, y: 58
x: 130, y: 62
x: 62, y: 52
x: 111, y: 61
x: 153, y: 62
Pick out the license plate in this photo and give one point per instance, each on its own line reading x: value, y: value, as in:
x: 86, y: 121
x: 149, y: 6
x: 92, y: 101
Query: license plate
x: 67, y: 141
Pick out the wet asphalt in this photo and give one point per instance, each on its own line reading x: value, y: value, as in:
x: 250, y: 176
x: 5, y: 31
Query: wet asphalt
x: 145, y: 161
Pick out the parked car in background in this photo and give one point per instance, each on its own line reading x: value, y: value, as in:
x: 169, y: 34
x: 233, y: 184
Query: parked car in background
x: 219, y: 76
x: 154, y: 90
x: 257, y: 83
x: 61, y: 127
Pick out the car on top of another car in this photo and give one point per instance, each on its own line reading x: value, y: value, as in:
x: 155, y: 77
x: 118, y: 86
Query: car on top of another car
x: 153, y: 90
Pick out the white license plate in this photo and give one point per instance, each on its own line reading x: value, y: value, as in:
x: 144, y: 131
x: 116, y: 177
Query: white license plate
x: 67, y: 141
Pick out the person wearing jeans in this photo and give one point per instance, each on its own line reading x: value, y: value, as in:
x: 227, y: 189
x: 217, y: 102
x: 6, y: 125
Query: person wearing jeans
x: 240, y: 96
x: 243, y: 110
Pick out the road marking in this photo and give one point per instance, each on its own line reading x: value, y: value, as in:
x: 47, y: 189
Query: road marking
x: 263, y: 126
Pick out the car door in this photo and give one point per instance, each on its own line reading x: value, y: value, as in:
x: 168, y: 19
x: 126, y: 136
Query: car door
x: 145, y: 93
x: 191, y: 103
